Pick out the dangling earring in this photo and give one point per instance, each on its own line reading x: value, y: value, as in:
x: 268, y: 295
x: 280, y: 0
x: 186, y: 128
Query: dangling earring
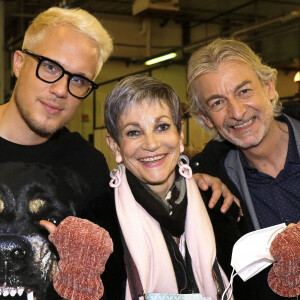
x: 184, y: 168
x: 115, y: 176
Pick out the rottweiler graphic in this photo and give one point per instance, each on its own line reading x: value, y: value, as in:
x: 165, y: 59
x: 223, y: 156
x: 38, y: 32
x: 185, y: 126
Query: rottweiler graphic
x: 28, y: 194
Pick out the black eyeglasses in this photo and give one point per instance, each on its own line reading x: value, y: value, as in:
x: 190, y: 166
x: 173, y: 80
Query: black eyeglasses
x: 50, y: 71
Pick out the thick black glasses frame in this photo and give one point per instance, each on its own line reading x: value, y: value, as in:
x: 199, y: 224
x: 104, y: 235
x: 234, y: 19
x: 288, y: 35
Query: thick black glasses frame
x: 41, y: 58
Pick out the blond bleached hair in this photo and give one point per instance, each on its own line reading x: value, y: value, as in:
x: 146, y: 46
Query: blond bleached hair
x: 207, y: 59
x: 77, y: 19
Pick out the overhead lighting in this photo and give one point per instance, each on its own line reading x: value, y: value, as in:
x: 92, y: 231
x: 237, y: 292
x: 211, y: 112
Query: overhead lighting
x: 160, y: 58
x: 297, y: 77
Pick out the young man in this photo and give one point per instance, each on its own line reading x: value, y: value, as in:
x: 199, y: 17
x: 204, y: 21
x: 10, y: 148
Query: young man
x: 256, y: 149
x: 48, y: 172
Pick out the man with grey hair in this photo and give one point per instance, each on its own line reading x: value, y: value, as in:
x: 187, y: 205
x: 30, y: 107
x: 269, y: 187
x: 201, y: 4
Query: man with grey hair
x: 255, y: 150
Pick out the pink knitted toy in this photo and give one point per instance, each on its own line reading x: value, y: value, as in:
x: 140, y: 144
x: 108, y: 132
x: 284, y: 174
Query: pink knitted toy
x: 83, y: 248
x: 284, y: 277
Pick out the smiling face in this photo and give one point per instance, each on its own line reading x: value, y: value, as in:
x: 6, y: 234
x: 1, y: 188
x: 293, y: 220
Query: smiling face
x: 149, y: 144
x: 46, y: 107
x: 237, y: 104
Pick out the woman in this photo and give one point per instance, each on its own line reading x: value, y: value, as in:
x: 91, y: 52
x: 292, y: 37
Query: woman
x: 163, y: 219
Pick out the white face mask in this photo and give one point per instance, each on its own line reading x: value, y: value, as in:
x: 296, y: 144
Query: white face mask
x: 251, y: 254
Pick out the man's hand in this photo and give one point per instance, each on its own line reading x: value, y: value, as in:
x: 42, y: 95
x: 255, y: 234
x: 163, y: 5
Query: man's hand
x: 204, y: 181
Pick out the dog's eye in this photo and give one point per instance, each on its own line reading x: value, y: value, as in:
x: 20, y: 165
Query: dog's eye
x: 36, y: 204
x: 53, y: 220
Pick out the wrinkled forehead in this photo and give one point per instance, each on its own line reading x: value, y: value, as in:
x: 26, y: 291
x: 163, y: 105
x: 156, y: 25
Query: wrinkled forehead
x: 228, y: 71
x: 144, y: 104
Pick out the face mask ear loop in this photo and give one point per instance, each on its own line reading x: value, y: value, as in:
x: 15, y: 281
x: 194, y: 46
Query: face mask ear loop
x: 229, y: 285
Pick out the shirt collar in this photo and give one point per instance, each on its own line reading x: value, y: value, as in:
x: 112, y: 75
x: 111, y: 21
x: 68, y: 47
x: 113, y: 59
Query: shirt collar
x: 292, y: 155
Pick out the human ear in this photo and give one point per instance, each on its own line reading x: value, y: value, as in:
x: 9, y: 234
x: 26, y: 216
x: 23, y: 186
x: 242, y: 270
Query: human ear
x: 270, y: 89
x: 18, y: 62
x: 114, y: 147
x: 206, y: 120
x: 181, y: 136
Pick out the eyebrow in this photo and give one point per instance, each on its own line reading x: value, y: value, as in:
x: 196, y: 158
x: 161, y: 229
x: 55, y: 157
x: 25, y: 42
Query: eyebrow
x: 61, y: 65
x: 131, y: 124
x: 217, y: 96
x: 245, y: 82
x: 139, y: 123
x: 213, y: 97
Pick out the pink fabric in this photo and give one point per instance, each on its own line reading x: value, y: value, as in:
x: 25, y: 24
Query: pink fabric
x: 147, y: 246
x: 284, y: 277
x: 83, y: 248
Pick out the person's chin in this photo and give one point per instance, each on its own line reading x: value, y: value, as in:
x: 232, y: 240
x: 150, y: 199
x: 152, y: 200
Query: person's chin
x: 246, y: 143
x: 45, y: 130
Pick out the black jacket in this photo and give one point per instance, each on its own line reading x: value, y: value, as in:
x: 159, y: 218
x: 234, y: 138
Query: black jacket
x: 211, y: 161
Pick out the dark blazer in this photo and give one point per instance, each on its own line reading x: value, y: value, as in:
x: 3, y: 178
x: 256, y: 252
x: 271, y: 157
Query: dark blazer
x: 211, y: 161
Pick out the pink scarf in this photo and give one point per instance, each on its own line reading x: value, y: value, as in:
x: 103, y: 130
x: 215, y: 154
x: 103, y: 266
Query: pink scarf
x: 148, y: 249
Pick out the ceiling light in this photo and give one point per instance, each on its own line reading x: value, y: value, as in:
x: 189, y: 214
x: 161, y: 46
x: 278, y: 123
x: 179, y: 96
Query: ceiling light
x: 160, y: 58
x: 297, y: 77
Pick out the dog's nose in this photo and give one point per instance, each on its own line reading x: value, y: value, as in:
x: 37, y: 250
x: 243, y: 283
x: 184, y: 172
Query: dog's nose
x: 14, y: 252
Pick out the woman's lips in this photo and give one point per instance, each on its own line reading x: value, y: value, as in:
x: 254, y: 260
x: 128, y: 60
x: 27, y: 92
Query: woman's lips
x: 153, y: 161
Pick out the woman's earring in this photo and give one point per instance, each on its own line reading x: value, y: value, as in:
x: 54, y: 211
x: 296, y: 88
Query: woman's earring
x: 184, y: 168
x: 115, y: 176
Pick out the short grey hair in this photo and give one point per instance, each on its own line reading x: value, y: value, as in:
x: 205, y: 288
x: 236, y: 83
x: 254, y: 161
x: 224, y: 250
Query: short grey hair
x: 132, y: 90
x: 208, y: 58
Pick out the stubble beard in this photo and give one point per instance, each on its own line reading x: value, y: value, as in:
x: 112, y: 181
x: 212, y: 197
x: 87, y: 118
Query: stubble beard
x: 42, y: 130
x: 256, y: 137
x: 243, y: 145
